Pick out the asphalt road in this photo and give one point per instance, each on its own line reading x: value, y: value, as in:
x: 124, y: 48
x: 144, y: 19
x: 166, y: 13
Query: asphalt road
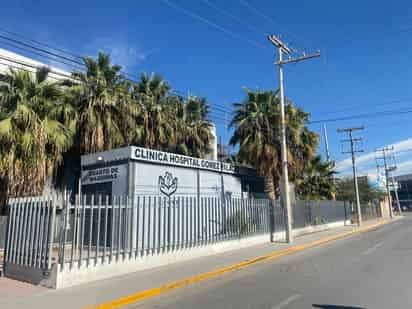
x: 370, y: 270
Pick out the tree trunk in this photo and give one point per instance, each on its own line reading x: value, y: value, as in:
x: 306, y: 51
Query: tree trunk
x: 270, y: 186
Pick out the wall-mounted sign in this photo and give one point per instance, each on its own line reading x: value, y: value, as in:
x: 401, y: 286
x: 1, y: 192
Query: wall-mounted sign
x: 149, y: 155
x: 103, y: 174
x: 167, y: 184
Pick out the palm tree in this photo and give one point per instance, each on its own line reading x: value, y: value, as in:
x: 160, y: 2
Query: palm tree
x: 317, y: 183
x: 103, y: 98
x: 36, y: 128
x: 196, y: 134
x: 153, y: 128
x: 167, y: 122
x: 257, y: 132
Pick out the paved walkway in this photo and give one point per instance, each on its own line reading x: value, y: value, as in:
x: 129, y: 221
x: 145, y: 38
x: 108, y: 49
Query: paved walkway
x: 14, y: 294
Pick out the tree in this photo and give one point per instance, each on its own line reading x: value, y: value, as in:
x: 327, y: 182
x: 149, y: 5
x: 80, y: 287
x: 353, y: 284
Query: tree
x: 367, y: 192
x: 316, y: 182
x: 256, y: 126
x: 256, y: 132
x: 36, y: 127
x: 153, y: 127
x: 103, y: 101
x: 168, y: 122
x: 196, y: 134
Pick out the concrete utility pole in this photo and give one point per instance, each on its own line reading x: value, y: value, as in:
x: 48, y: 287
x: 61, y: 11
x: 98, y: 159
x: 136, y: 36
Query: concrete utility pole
x: 395, y: 190
x: 388, y: 169
x: 285, y: 197
x: 355, y: 177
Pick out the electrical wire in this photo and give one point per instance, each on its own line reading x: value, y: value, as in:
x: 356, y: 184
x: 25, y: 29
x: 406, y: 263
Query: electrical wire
x: 220, y: 112
x: 362, y: 116
x: 213, y: 24
x: 25, y: 64
x: 39, y: 49
x: 217, y: 111
x: 233, y: 17
x: 72, y: 65
x: 26, y: 70
x: 271, y: 20
x: 57, y: 58
x: 2, y: 29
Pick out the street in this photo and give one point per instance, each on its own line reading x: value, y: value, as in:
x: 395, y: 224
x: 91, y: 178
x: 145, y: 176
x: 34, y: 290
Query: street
x: 369, y: 270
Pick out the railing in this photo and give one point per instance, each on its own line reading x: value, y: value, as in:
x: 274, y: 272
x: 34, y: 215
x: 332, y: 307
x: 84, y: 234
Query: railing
x: 311, y: 213
x: 370, y: 211
x: 30, y: 232
x: 98, y: 230
x: 94, y: 230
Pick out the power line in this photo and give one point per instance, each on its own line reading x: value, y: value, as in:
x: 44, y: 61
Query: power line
x: 39, y: 49
x: 26, y: 70
x: 352, y: 106
x: 233, y: 17
x: 25, y: 64
x: 269, y: 19
x: 72, y: 65
x: 218, y: 109
x: 215, y: 112
x: 365, y: 115
x: 213, y: 24
x: 2, y: 29
x: 257, y: 12
x: 21, y: 45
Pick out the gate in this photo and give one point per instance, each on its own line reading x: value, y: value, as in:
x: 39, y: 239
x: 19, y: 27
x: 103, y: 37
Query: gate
x: 29, y: 241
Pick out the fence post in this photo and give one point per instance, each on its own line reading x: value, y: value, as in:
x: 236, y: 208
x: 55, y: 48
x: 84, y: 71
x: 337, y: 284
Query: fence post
x: 271, y: 215
x: 63, y: 231
x: 346, y: 214
x: 51, y: 234
x: 8, y: 234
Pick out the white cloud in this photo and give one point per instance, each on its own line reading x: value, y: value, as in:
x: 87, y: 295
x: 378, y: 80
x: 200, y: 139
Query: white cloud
x: 122, y: 51
x: 368, y: 159
x: 404, y: 167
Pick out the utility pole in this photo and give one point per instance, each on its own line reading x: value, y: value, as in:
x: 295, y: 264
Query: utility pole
x: 222, y: 184
x: 355, y: 177
x: 326, y: 143
x: 285, y: 194
x: 395, y: 190
x: 388, y: 169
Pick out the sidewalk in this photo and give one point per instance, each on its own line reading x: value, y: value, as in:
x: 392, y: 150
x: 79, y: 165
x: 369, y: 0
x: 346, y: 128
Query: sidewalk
x: 14, y: 294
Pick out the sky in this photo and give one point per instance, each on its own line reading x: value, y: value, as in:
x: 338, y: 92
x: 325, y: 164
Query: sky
x: 216, y: 49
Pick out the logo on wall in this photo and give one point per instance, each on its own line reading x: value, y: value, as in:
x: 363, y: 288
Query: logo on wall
x: 167, y: 184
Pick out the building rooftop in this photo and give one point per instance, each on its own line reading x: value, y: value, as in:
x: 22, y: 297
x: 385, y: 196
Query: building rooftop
x: 11, y: 60
x: 403, y: 177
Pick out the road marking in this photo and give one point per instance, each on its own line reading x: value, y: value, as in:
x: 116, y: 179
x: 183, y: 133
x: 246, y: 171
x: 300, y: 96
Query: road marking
x: 371, y: 249
x: 150, y: 293
x: 287, y: 301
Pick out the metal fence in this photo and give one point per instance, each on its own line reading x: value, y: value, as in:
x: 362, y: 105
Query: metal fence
x: 98, y: 229
x: 95, y: 230
x: 370, y: 211
x: 30, y: 232
x: 312, y: 213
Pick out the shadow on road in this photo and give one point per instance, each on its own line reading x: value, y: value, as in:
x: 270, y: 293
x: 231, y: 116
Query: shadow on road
x: 335, y: 307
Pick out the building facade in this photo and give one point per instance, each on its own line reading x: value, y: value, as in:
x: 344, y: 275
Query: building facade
x: 135, y: 171
x: 404, y: 186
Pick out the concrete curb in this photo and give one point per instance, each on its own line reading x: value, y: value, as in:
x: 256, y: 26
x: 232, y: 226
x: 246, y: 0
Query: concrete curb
x: 150, y: 293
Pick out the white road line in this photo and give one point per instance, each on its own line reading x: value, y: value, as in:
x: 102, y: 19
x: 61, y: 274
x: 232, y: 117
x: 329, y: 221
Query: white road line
x: 371, y: 249
x: 287, y: 301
